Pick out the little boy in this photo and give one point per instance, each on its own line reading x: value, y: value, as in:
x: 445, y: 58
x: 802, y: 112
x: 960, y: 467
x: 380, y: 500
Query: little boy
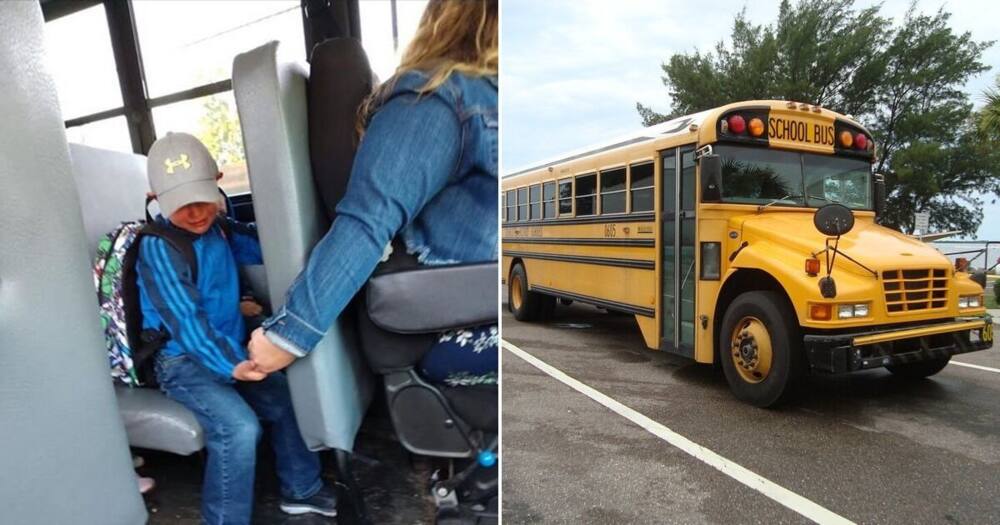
x: 204, y: 365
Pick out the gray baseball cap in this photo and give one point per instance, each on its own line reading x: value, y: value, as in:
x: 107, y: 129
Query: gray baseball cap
x: 181, y: 171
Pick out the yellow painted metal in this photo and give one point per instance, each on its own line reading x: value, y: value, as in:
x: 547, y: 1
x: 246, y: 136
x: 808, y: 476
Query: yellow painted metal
x: 919, y: 332
x: 750, y: 349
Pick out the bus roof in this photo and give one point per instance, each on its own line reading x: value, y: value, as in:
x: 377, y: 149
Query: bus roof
x: 671, y: 128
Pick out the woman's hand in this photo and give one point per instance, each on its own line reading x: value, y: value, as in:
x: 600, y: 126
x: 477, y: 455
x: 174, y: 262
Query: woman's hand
x: 267, y: 356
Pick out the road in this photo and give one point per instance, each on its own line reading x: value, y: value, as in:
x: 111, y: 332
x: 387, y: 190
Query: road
x: 866, y: 447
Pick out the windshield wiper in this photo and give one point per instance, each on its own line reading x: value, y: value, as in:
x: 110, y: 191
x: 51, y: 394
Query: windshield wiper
x: 790, y: 196
x: 775, y: 201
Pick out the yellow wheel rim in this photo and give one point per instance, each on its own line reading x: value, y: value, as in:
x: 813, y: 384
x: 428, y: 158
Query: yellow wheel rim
x: 516, y: 293
x: 750, y: 348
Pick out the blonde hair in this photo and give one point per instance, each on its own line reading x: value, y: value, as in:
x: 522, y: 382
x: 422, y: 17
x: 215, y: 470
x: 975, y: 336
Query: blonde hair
x: 453, y: 36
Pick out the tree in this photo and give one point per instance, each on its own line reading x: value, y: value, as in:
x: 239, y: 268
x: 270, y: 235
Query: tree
x: 990, y: 116
x: 903, y: 82
x: 220, y: 132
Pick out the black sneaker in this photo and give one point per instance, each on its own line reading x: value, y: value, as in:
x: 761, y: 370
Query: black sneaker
x: 323, y: 502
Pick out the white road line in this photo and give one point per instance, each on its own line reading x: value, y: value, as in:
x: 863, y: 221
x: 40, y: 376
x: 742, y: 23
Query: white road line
x: 776, y: 492
x: 977, y: 367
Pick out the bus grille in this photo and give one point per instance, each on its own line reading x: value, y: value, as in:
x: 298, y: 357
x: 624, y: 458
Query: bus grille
x: 915, y: 290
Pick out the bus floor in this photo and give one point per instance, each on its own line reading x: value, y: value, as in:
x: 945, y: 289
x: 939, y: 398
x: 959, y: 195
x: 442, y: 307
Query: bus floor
x: 867, y: 447
x: 393, y: 482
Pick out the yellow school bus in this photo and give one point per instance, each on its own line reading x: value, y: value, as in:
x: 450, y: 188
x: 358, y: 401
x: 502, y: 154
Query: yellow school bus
x: 745, y: 235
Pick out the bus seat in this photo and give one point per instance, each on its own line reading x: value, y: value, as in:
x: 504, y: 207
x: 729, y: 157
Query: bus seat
x: 112, y: 187
x: 63, y: 449
x: 332, y: 387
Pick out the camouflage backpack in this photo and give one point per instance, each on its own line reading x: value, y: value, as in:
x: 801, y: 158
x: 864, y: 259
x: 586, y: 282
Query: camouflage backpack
x: 129, y: 346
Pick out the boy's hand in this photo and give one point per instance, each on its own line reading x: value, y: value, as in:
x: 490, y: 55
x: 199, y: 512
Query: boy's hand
x: 247, y: 371
x: 250, y: 308
x: 266, y: 355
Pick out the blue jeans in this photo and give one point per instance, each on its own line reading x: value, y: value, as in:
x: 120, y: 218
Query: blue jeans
x: 228, y: 414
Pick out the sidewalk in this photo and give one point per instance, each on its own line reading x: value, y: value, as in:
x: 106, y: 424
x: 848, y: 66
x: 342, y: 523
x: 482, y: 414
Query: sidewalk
x: 995, y: 314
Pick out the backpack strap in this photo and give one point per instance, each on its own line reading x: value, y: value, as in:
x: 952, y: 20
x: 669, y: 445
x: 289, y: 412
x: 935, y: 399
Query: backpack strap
x: 145, y: 343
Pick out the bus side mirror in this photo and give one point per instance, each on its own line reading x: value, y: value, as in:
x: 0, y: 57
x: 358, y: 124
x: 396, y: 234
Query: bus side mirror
x: 879, y: 183
x: 711, y: 178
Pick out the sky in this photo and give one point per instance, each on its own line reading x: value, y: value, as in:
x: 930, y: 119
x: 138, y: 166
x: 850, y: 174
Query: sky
x: 573, y: 70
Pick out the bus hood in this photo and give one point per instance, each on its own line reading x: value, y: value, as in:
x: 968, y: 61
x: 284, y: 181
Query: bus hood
x: 875, y: 246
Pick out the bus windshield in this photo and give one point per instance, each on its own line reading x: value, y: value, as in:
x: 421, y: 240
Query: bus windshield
x: 761, y: 176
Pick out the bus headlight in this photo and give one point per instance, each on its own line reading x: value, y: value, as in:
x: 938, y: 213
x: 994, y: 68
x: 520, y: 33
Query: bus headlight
x: 851, y: 311
x: 969, y: 301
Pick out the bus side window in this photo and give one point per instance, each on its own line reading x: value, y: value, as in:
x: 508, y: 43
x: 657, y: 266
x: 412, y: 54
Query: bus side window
x: 535, y: 198
x: 510, y: 210
x: 522, y: 204
x: 613, y: 191
x: 642, y: 187
x: 586, y: 194
x: 549, y: 200
x: 566, y: 197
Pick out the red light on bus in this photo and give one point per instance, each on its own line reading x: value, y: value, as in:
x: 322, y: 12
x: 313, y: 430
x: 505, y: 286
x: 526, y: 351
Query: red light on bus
x: 756, y: 127
x: 860, y: 141
x: 846, y: 139
x: 737, y: 125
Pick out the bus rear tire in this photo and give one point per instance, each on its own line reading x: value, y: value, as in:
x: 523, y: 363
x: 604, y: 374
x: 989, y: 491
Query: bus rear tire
x: 526, y: 305
x: 919, y: 370
x: 760, y: 348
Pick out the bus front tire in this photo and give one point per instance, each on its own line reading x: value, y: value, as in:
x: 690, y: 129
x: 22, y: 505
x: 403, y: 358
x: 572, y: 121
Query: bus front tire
x: 760, y: 348
x: 919, y: 370
x: 526, y: 305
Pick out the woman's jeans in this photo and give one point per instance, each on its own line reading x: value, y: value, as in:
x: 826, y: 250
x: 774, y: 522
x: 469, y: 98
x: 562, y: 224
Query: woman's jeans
x: 228, y: 414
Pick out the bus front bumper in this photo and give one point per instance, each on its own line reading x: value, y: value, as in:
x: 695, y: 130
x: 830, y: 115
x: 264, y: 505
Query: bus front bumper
x: 837, y: 353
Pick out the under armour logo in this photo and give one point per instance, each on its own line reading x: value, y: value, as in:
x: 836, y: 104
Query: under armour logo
x: 182, y: 162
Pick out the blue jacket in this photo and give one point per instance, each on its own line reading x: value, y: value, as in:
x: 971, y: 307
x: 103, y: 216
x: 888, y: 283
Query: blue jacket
x: 426, y: 168
x: 203, y: 318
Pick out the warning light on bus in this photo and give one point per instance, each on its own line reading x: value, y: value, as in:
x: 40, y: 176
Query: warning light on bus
x: 737, y: 125
x: 756, y: 127
x: 846, y: 139
x: 812, y: 267
x: 860, y: 141
x: 820, y: 311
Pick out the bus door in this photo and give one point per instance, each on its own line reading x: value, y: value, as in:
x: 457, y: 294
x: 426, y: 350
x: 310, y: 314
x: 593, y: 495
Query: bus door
x: 677, y: 308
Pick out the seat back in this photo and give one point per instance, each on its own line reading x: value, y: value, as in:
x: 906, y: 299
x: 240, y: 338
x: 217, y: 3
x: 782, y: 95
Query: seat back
x: 339, y: 80
x: 332, y: 387
x: 63, y: 448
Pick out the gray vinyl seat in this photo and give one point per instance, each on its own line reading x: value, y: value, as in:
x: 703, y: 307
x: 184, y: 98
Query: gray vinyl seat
x: 112, y: 188
x: 63, y: 450
x: 332, y: 387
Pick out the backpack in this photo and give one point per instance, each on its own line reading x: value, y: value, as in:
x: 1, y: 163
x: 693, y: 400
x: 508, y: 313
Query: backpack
x: 129, y: 347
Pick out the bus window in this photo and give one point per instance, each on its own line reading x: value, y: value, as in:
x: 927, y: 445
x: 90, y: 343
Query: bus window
x: 522, y: 204
x: 586, y: 194
x: 549, y: 200
x: 87, y: 80
x: 837, y: 179
x: 641, y: 187
x: 759, y: 176
x: 510, y: 210
x: 187, y: 44
x: 686, y: 251
x: 535, y: 198
x: 503, y: 207
x: 566, y: 197
x: 613, y: 191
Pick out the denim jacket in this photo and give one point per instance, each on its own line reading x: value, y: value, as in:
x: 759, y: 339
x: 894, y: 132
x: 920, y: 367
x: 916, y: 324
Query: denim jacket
x: 426, y: 169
